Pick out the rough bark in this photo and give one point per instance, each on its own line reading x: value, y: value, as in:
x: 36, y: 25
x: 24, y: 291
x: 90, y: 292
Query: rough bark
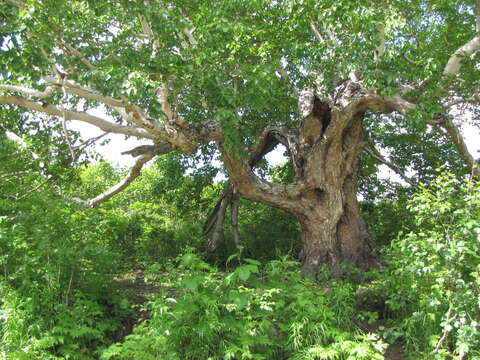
x: 334, y: 240
x: 325, y: 152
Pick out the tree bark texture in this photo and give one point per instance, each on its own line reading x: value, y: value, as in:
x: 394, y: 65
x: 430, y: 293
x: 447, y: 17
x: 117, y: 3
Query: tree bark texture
x: 324, y: 151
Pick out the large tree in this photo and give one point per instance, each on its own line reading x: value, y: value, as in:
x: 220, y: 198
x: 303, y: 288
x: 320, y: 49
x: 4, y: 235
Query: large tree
x: 244, y: 76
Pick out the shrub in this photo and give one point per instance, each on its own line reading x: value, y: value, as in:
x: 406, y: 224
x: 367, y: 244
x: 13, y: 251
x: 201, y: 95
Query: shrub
x: 434, y: 280
x: 57, y: 298
x: 253, y: 312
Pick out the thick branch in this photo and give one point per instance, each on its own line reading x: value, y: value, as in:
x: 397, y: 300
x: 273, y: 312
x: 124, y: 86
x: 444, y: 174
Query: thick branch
x: 218, y: 219
x: 85, y: 92
x: 159, y: 149
x: 252, y: 187
x: 30, y: 92
x: 461, y: 146
x: 134, y: 114
x: 76, y: 115
x: 454, y: 63
x: 470, y: 48
x: 147, y: 30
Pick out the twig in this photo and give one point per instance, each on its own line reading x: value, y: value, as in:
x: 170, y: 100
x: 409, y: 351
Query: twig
x: 31, y: 191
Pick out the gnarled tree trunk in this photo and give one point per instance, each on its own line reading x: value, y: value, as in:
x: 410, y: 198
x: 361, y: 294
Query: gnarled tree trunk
x: 324, y: 151
x: 333, y: 232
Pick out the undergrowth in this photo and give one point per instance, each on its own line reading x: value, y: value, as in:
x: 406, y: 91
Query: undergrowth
x: 253, y: 312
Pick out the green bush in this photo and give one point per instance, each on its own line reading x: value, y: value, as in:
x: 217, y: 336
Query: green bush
x: 253, y: 312
x: 57, y: 298
x: 434, y: 278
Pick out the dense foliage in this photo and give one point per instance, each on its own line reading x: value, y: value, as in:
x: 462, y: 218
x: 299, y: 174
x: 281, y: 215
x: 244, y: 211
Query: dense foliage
x: 56, y: 290
x: 214, y: 85
x: 252, y: 312
x: 61, y: 297
x: 434, y: 283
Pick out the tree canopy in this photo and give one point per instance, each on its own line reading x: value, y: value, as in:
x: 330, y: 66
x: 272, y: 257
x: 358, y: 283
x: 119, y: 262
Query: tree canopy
x: 328, y: 79
x: 344, y: 86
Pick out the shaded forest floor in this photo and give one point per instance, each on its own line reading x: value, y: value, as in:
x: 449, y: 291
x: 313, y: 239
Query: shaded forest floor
x: 141, y: 291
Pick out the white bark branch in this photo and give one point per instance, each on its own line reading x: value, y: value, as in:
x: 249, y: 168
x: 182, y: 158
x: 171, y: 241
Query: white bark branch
x: 317, y: 33
x: 147, y: 30
x: 461, y: 146
x: 189, y: 35
x: 77, y: 53
x: 469, y: 49
x: 27, y: 91
x: 85, y: 92
x: 77, y: 115
x: 163, y: 92
x: 134, y: 173
x: 379, y: 51
x: 455, y: 62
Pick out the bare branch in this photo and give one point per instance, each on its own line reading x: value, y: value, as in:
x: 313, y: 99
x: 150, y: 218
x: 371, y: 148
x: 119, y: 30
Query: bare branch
x: 67, y: 138
x: 77, y: 53
x: 458, y: 101
x: 370, y: 150
x: 460, y: 145
x: 64, y: 126
x: 159, y: 149
x: 331, y: 35
x: 469, y: 49
x: 90, y: 141
x: 27, y: 91
x: 147, y: 30
x: 166, y: 108
x: 316, y: 32
x: 85, y: 92
x: 446, y: 330
x: 31, y: 191
x: 76, y: 115
x: 381, y: 45
x: 134, y: 173
x: 189, y: 35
